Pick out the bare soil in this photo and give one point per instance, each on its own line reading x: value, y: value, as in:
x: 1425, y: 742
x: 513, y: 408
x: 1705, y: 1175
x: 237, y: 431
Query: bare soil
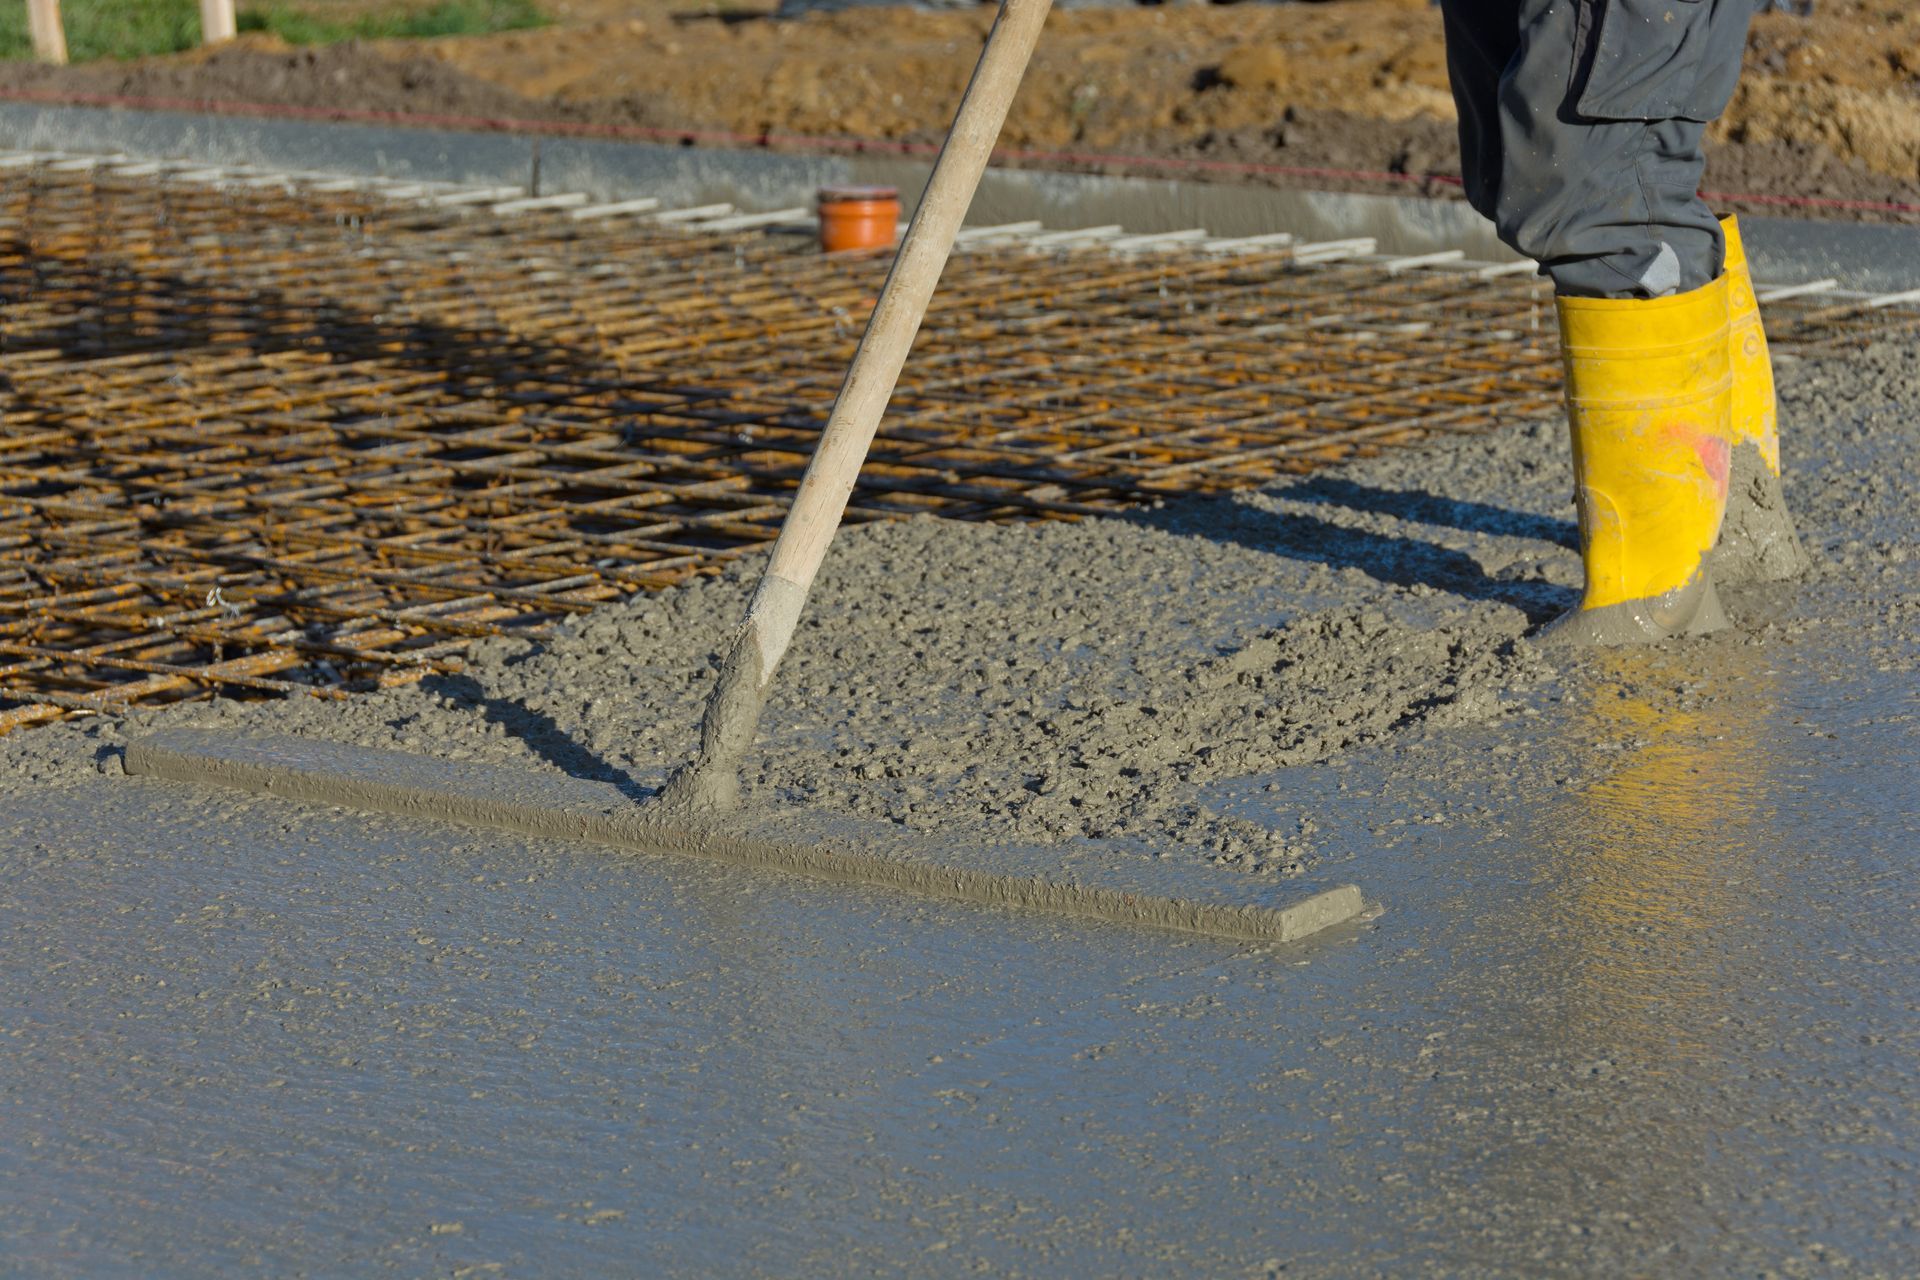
x: 1829, y: 110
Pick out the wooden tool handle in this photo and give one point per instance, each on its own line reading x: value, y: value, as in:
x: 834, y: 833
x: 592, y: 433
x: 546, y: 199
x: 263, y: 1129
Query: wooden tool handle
x: 711, y: 779
x: 829, y: 480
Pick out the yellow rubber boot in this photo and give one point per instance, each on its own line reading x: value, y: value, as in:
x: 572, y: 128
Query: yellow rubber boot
x: 1757, y: 540
x: 1649, y: 397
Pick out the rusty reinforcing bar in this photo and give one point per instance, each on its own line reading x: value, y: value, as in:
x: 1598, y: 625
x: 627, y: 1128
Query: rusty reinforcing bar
x: 269, y: 434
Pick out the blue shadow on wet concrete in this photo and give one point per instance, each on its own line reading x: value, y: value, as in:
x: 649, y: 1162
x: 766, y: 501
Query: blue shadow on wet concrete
x: 1395, y: 559
x: 1428, y: 508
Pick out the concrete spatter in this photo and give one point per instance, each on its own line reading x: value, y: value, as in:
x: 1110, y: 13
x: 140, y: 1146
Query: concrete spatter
x: 710, y: 782
x: 1691, y: 609
x: 1758, y: 542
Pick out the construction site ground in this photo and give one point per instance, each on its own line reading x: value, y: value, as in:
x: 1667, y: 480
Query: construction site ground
x: 1828, y: 112
x: 1641, y: 998
x: 1229, y: 556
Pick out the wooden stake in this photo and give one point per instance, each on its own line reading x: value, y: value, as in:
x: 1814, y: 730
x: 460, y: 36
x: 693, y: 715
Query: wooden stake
x: 217, y: 21
x: 49, y: 37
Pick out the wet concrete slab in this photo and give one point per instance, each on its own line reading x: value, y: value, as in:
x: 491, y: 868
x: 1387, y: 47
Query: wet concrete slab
x: 1082, y: 880
x: 1645, y: 1003
x: 1645, y: 999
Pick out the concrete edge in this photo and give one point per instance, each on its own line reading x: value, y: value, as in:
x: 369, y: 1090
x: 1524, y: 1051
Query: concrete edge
x: 619, y: 169
x: 1784, y: 251
x: 172, y: 755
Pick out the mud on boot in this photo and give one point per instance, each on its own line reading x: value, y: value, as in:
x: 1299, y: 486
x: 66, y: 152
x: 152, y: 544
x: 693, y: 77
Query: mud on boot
x: 1758, y: 542
x: 1693, y: 610
x: 1757, y: 539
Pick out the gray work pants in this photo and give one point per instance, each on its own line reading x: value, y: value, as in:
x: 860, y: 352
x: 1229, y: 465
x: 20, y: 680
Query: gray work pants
x: 1580, y: 130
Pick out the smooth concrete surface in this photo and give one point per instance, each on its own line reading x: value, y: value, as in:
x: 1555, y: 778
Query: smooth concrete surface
x: 1653, y: 1018
x: 1079, y: 881
x: 1864, y: 256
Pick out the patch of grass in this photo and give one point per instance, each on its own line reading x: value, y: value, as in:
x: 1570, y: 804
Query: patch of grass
x: 140, y: 28
x: 446, y: 18
x: 107, y: 28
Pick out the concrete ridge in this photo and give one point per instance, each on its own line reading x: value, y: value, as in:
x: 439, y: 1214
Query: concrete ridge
x: 552, y: 807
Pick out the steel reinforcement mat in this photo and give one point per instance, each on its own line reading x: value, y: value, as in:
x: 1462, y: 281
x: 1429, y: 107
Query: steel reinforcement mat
x: 271, y: 435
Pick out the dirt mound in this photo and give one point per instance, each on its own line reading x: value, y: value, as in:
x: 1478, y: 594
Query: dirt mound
x: 263, y: 69
x: 1875, y: 131
x: 1829, y: 108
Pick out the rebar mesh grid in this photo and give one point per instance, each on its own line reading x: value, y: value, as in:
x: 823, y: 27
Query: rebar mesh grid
x: 273, y: 438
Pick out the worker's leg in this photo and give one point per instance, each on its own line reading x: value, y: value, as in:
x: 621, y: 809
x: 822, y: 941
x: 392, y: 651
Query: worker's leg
x: 1581, y: 124
x: 1601, y: 113
x: 1589, y: 161
x: 1482, y: 38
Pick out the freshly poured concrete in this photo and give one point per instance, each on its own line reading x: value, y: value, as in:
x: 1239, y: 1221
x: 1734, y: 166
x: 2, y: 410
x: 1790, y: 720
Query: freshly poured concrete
x: 1090, y: 884
x: 1643, y: 1003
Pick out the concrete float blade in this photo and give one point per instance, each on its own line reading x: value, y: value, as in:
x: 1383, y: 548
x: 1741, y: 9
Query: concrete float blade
x: 1081, y: 879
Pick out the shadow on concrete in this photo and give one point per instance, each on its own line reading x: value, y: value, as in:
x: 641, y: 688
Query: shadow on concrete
x: 1393, y: 559
x: 1427, y: 508
x: 537, y: 730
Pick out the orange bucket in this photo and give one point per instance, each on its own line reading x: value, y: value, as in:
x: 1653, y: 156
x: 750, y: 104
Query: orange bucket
x: 858, y: 218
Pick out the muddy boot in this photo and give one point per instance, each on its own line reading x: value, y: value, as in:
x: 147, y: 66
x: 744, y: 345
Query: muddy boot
x: 1649, y: 398
x: 1757, y: 540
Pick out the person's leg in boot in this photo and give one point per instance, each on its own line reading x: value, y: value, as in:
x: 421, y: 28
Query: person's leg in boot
x: 1599, y: 114
x: 1649, y: 396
